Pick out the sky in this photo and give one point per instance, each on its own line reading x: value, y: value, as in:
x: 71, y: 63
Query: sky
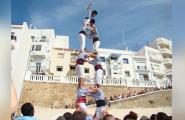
x: 120, y: 23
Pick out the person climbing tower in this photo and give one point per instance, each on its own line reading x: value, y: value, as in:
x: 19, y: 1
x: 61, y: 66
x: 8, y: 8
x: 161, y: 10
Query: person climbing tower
x: 81, y: 59
x: 81, y: 91
x: 98, y: 96
x: 95, y: 38
x: 98, y: 68
x: 86, y: 27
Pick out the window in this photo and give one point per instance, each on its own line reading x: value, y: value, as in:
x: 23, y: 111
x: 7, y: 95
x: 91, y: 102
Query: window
x: 59, y: 68
x: 32, y: 48
x: 125, y: 61
x: 145, y: 77
x: 38, y: 48
x: 38, y: 67
x: 72, y: 67
x: 113, y: 57
x: 13, y: 37
x: 127, y: 73
x: 60, y: 55
x: 72, y: 70
x: 32, y: 37
x: 156, y: 67
x: 43, y: 39
x: 102, y: 59
x: 86, y: 70
x: 104, y: 72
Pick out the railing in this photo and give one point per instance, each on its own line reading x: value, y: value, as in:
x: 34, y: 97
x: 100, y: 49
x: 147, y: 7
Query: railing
x: 165, y: 50
x: 167, y: 61
x: 35, y: 68
x: 74, y: 80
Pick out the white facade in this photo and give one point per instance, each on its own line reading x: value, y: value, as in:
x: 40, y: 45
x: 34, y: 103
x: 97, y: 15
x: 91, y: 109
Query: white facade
x: 32, y: 51
x: 118, y: 64
x: 165, y: 47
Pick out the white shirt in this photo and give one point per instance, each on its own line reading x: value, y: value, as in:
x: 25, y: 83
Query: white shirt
x: 82, y: 55
x: 99, y: 95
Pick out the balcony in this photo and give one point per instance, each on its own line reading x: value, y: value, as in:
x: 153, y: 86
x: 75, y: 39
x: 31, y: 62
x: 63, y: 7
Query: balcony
x: 163, y: 41
x: 38, y: 54
x: 169, y: 71
x: 37, y: 69
x: 141, y: 69
x: 158, y: 72
x: 166, y: 51
x: 41, y: 40
x: 157, y: 58
x: 167, y: 61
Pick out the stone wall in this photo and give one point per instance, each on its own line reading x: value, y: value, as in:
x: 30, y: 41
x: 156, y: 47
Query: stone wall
x: 58, y: 94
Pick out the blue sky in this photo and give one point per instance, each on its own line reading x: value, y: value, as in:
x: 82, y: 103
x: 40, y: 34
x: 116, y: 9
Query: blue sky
x: 120, y: 23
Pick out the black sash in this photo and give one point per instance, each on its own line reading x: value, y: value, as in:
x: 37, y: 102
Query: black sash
x: 100, y: 103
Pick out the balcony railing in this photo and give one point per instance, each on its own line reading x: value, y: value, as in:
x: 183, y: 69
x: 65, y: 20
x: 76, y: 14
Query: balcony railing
x: 74, y: 80
x: 165, y: 50
x: 156, y: 58
x: 38, y: 54
x: 167, y: 61
x: 37, y: 69
x: 40, y: 40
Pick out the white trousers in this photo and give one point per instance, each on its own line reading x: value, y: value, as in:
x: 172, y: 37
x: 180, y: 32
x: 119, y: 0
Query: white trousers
x: 82, y: 41
x: 96, y: 46
x: 99, y: 112
x: 80, y: 71
x: 82, y: 107
x: 98, y: 76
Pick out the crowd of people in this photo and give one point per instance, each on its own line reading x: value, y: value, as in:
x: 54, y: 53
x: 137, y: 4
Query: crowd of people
x: 119, y: 96
x: 27, y: 111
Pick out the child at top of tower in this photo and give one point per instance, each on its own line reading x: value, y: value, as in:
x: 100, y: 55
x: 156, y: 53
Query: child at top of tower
x: 86, y: 27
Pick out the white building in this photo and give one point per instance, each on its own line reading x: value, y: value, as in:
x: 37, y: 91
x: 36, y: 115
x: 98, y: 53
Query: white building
x: 117, y: 64
x: 32, y: 51
x: 165, y: 47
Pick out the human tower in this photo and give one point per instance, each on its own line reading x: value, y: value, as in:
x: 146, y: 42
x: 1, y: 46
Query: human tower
x: 89, y: 31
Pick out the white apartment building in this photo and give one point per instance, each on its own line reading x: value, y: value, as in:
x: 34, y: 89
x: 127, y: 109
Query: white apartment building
x: 31, y: 51
x: 154, y: 63
x: 117, y: 64
x: 165, y: 47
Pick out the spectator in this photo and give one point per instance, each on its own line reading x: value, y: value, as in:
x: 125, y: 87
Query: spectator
x: 169, y: 118
x: 152, y: 117
x: 27, y: 111
x: 161, y: 116
x: 108, y: 117
x: 109, y: 104
x: 111, y: 98
x: 67, y: 116
x: 78, y: 115
x: 144, y: 118
x: 60, y: 118
x: 132, y: 115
